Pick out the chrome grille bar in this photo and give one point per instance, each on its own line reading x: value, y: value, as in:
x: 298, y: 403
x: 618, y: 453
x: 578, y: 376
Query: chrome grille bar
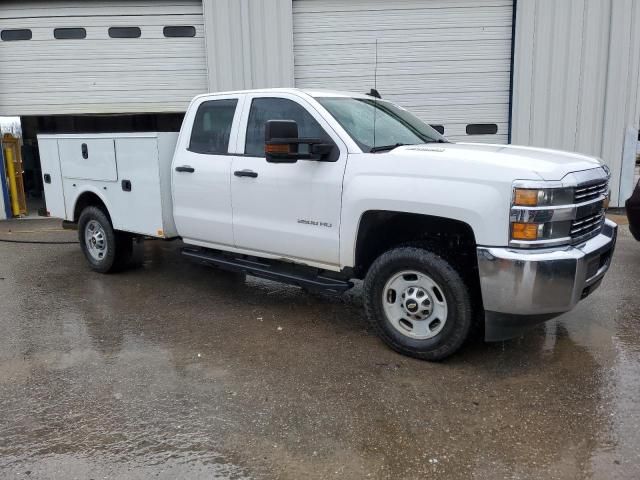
x: 586, y: 228
x: 587, y: 192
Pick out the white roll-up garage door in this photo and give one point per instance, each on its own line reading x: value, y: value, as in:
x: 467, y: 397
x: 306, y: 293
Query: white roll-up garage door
x: 75, y: 56
x: 448, y: 61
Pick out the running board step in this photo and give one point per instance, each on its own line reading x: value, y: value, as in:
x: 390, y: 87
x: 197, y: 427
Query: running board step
x: 278, y: 271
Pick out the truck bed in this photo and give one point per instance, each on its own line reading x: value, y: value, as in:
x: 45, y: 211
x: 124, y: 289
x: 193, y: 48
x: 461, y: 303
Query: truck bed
x: 129, y: 172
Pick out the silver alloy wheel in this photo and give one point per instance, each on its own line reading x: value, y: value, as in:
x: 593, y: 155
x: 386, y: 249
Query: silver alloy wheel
x: 414, y: 305
x: 95, y: 240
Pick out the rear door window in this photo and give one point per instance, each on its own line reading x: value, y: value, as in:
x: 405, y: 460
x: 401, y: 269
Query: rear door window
x: 212, y: 126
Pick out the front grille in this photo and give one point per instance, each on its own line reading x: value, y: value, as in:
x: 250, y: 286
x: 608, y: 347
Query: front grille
x: 591, y: 191
x: 586, y: 227
x: 590, y: 215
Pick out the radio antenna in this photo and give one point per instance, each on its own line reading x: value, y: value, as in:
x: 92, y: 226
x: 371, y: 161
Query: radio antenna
x: 376, y: 94
x: 375, y: 70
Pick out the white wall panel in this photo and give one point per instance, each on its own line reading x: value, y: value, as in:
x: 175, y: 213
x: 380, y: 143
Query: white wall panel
x: 448, y: 61
x: 99, y: 74
x: 249, y: 44
x: 576, y: 78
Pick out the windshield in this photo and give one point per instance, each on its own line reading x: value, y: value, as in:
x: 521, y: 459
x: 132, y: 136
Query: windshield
x: 394, y: 126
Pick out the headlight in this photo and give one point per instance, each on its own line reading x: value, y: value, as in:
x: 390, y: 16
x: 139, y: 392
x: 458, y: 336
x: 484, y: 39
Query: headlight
x: 541, y: 216
x: 542, y: 197
x: 557, y: 213
x: 532, y: 232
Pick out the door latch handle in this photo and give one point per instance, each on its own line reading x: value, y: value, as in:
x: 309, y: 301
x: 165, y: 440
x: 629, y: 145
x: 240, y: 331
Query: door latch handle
x: 47, y: 178
x: 185, y: 168
x: 85, y: 151
x: 245, y: 173
x: 126, y: 185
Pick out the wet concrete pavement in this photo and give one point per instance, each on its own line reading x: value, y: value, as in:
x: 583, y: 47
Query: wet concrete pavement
x: 175, y: 370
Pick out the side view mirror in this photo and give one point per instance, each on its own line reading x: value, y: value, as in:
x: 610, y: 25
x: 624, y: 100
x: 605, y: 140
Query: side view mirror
x: 282, y: 144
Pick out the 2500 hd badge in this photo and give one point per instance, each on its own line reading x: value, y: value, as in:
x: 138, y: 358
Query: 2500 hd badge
x: 314, y: 223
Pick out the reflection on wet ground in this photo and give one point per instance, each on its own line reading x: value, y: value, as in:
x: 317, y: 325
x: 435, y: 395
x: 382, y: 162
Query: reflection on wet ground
x: 176, y: 370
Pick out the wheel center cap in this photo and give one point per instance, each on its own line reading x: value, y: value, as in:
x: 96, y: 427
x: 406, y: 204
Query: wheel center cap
x: 411, y: 306
x: 416, y: 303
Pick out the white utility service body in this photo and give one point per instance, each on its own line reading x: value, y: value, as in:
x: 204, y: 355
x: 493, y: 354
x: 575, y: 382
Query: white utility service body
x: 323, y: 204
x: 129, y: 172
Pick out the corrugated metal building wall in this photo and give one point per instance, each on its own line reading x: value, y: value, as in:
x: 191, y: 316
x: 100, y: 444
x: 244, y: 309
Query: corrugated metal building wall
x: 249, y: 44
x: 577, y: 80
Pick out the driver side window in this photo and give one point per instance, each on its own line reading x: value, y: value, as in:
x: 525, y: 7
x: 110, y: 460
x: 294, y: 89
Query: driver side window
x: 263, y: 109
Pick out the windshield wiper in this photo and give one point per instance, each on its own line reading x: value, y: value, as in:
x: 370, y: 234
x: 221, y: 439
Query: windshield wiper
x: 385, y: 148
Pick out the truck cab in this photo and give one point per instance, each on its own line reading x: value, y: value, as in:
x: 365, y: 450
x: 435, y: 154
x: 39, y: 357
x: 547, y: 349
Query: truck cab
x: 226, y: 195
x: 321, y: 188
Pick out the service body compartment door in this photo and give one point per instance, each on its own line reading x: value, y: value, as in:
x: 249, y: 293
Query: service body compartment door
x: 88, y: 158
x: 136, y: 199
x: 52, y: 177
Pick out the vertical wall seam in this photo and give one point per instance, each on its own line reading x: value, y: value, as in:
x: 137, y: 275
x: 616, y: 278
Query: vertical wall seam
x: 581, y: 75
x: 532, y: 92
x: 565, y: 75
x: 511, y: 74
x: 550, y: 72
x: 207, y: 43
x: 606, y: 77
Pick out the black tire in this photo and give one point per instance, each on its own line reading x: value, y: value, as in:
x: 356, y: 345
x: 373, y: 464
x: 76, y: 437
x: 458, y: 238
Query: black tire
x: 118, y: 245
x: 459, y: 311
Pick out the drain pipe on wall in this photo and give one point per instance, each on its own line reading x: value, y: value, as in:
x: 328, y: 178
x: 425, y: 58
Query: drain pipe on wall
x: 627, y: 171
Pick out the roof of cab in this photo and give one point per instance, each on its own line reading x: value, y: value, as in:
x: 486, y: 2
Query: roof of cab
x: 296, y: 91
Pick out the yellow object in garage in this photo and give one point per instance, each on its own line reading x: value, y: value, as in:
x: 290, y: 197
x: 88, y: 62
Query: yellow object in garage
x: 13, y: 167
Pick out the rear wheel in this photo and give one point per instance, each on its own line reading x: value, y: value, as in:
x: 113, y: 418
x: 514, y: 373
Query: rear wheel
x: 105, y: 249
x: 417, y: 303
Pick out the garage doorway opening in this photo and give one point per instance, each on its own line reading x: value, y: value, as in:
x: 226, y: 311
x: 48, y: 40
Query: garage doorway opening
x: 57, y: 124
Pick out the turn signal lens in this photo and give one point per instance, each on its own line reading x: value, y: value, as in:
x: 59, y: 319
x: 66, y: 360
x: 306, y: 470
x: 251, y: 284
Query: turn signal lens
x: 525, y: 197
x: 524, y: 231
x: 276, y: 148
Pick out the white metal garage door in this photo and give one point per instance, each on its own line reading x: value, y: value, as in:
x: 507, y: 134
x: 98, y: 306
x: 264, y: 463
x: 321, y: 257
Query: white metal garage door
x: 152, y: 69
x: 448, y: 61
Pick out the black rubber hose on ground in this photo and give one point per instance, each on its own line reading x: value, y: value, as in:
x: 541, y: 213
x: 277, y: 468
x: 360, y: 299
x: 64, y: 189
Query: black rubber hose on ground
x: 5, y: 240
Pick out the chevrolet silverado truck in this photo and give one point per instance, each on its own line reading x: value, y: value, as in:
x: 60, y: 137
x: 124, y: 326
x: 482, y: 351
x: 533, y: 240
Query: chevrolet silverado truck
x: 321, y: 188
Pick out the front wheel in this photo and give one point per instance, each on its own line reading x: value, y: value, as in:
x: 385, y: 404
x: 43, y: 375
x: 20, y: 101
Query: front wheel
x: 417, y: 303
x: 105, y: 249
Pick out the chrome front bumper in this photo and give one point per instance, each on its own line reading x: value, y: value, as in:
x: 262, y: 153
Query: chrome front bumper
x: 521, y: 288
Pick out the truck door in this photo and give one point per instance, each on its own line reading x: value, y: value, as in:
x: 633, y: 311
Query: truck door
x: 288, y: 210
x: 201, y: 170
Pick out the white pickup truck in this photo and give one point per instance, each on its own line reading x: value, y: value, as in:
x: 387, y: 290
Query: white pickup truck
x: 317, y: 188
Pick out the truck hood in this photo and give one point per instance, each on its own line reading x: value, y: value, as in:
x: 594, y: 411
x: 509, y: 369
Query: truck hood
x: 520, y: 162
